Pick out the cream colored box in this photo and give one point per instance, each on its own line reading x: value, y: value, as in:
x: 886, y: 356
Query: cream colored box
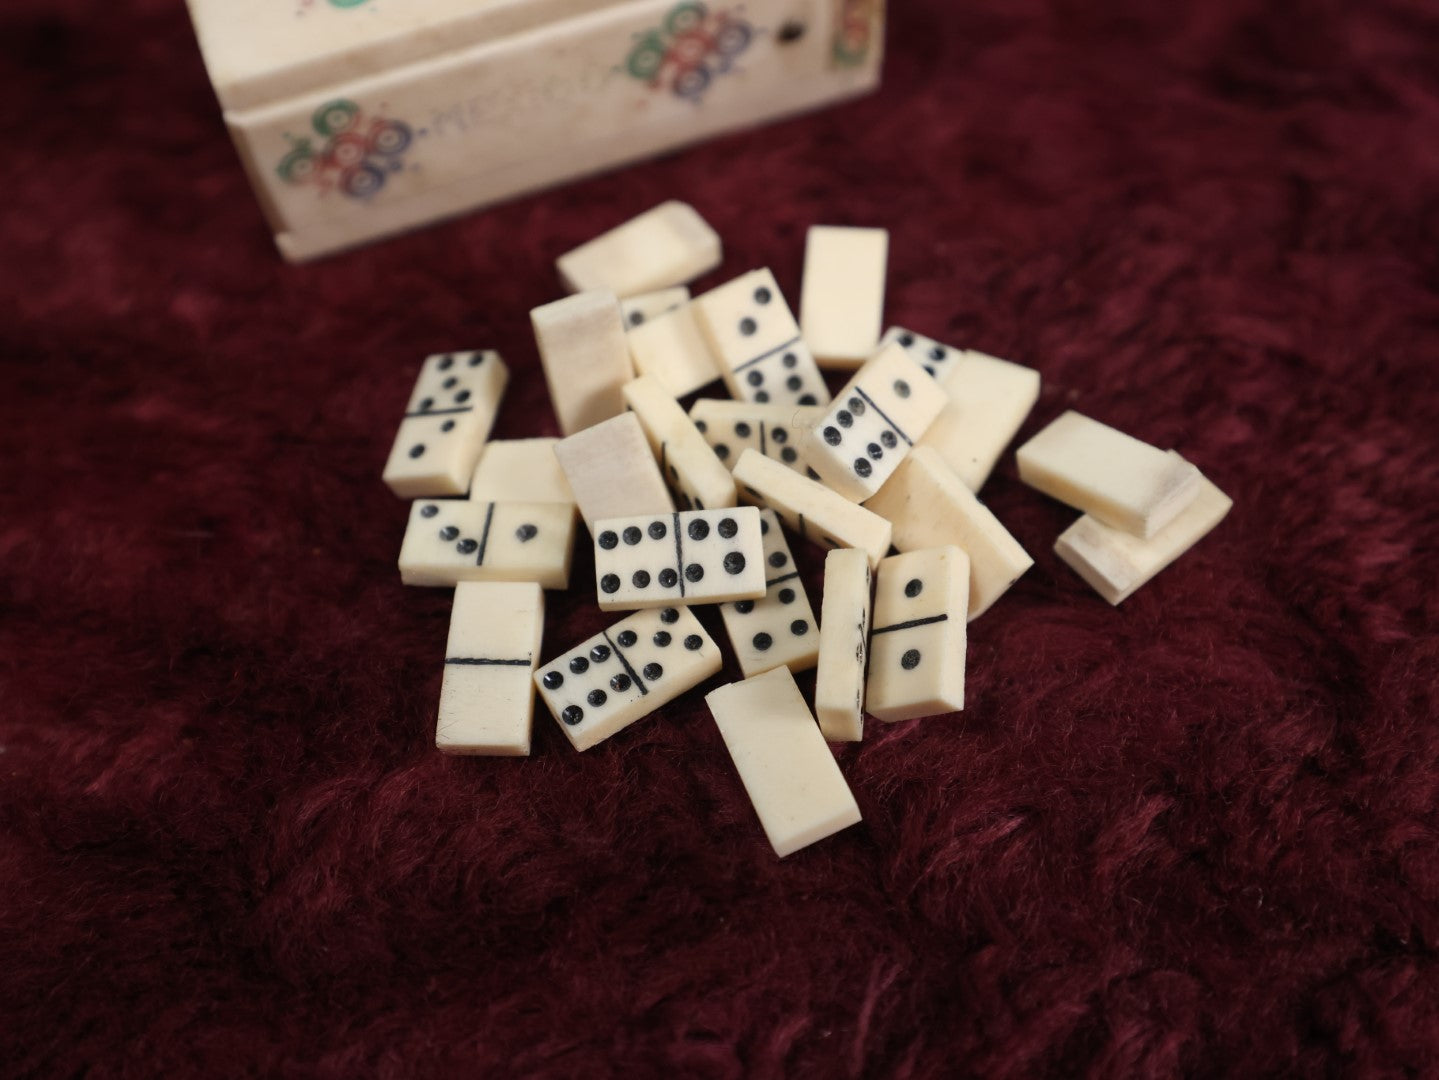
x: 359, y: 118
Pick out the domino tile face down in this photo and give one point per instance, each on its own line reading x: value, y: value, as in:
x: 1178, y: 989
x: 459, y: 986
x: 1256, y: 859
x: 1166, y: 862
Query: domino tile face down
x: 692, y: 557
x: 788, y: 772
x: 917, y: 646
x: 449, y: 415
x: 761, y: 354
x: 670, y: 347
x: 776, y: 431
x: 698, y: 478
x: 809, y: 508
x: 667, y: 245
x: 638, y: 310
x: 520, y: 470
x: 1126, y: 484
x: 778, y: 628
x: 452, y: 540
x: 930, y: 507
x: 487, y: 698
x: 612, y: 472
x: 873, y: 423
x: 626, y: 672
x: 585, y: 356
x: 841, y: 306
x: 843, y: 646
x: 1116, y: 563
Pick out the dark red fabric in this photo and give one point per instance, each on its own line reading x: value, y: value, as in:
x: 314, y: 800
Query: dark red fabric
x: 1195, y: 835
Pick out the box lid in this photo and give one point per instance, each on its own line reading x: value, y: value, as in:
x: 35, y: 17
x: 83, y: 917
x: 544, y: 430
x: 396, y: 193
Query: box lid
x: 261, y: 51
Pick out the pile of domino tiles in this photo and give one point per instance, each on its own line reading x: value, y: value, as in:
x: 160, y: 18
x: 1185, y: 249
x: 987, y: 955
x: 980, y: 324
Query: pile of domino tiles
x: 700, y: 508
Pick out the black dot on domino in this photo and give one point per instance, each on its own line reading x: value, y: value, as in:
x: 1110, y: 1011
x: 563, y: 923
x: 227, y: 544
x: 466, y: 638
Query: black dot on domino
x: 901, y: 388
x: 620, y: 683
x: 832, y: 436
x: 794, y: 382
x: 610, y: 583
x: 462, y: 397
x: 799, y: 628
x: 790, y: 361
x: 657, y: 530
x: 762, y: 295
x: 778, y: 559
x: 608, y: 540
x: 929, y: 371
x: 913, y: 588
x: 636, y: 317
x: 727, y: 528
x: 600, y: 653
x: 417, y: 450
x: 627, y: 638
x: 874, y: 451
x: 762, y: 397
x: 476, y: 359
x: 572, y: 715
x: 427, y: 404
x: 641, y: 579
x: 694, y: 572
x: 742, y: 430
x: 694, y: 642
x: 526, y: 533
x: 596, y: 698
x: 579, y: 665
x: 889, y: 439
x: 467, y: 547
x: 450, y: 383
x: 747, y: 327
x: 779, y: 435
x: 744, y: 607
x: 807, y: 399
x: 910, y: 660
x: 789, y: 454
x: 662, y: 638
x: 906, y: 340
x: 862, y: 467
x: 448, y: 425
x: 669, y: 616
x: 653, y: 672
x: 668, y: 579
x: 446, y: 362
x: 844, y: 418
x: 734, y: 563
x: 937, y: 353
x: 553, y: 680
x: 763, y: 641
x: 633, y: 535
x: 755, y: 378
x: 856, y: 406
x: 429, y: 511
x: 701, y: 426
x: 449, y: 532
x: 786, y: 596
x: 763, y: 527
x: 722, y: 451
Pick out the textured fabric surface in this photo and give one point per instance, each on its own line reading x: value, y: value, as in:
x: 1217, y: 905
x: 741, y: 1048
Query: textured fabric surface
x: 1195, y: 835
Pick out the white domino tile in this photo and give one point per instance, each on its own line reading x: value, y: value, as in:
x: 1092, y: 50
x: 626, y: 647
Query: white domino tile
x: 612, y: 471
x: 762, y: 356
x: 1117, y: 563
x: 585, y: 356
x: 788, y: 772
x: 698, y: 479
x: 667, y: 245
x: 640, y: 309
x: 872, y: 424
x: 487, y: 699
x: 841, y: 304
x: 520, y: 470
x: 843, y: 646
x: 778, y: 628
x: 989, y: 400
x: 449, y: 415
x: 691, y: 557
x: 929, y: 506
x: 452, y: 540
x: 917, y: 644
x: 809, y: 508
x: 626, y: 672
x: 776, y: 431
x: 1124, y: 483
x: 670, y: 347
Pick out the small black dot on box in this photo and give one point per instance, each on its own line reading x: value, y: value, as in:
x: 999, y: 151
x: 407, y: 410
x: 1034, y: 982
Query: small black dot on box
x: 640, y: 579
x: 448, y: 425
x: 789, y: 455
x: 633, y: 535
x: 901, y: 388
x: 913, y: 588
x: 694, y: 642
x: 657, y: 530
x: 742, y: 430
x: 572, y: 715
x: 627, y: 638
x: 778, y: 559
x: 856, y: 406
x: 694, y: 572
x: 579, y: 665
x: 417, y: 450
x: 662, y: 638
x: 889, y: 439
x: 844, y: 418
x: 596, y: 698
x: 610, y: 583
x: 670, y: 616
x: 429, y: 511
x: 668, y: 579
x: 553, y: 680
x: 762, y: 397
x: 653, y: 672
x: 910, y: 660
x: 446, y: 362
x: 786, y: 596
x: 906, y: 340
x: 755, y: 378
x: 734, y: 563
x: 600, y: 653
x: 722, y: 451
x: 526, y: 533
x: 862, y: 468
x: 608, y: 540
x: 744, y: 607
x: 467, y: 547
x: 747, y: 327
x: 799, y: 628
x: 762, y: 641
x: 790, y: 361
x: 727, y: 528
x: 449, y: 532
x: 807, y: 399
x: 620, y: 683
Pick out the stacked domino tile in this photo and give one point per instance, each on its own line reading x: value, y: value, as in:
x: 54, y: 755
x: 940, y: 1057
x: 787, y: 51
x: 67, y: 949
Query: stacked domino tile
x: 701, y: 507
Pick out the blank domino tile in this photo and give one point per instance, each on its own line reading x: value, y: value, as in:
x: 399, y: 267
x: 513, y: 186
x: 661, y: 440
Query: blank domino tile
x: 989, y: 400
x: 626, y: 672
x: 693, y: 557
x: 520, y: 470
x: 843, y: 646
x: 1116, y: 563
x: 811, y: 509
x: 761, y: 354
x: 787, y: 770
x: 667, y: 245
x: 487, y: 699
x: 449, y: 415
x: 841, y: 305
x: 872, y: 424
x: 687, y: 463
x: 917, y: 646
x: 612, y: 472
x: 671, y: 348
x: 452, y: 540
x: 779, y: 627
x: 732, y: 427
x: 638, y: 310
x: 1126, y: 484
x: 586, y: 357
x: 930, y: 507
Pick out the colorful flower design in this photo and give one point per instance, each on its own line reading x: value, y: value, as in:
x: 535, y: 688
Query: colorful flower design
x: 691, y: 49
x: 357, y: 155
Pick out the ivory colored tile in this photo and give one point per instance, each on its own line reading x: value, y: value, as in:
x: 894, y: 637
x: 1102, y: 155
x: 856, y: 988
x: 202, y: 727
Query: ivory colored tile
x: 842, y: 300
x: 843, y: 646
x: 696, y: 476
x: 809, y: 508
x: 786, y: 768
x: 450, y: 413
x: 693, y: 557
x: 1116, y: 563
x: 612, y: 472
x: 520, y: 470
x: 586, y: 358
x: 487, y: 699
x: 640, y: 309
x: 732, y: 427
x: 670, y: 348
x: 1126, y: 484
x: 779, y: 627
x: 917, y: 646
x: 929, y: 507
x: 667, y: 245
x: 452, y: 540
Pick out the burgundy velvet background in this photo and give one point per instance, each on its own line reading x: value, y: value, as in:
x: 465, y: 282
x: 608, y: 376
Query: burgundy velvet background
x: 1193, y: 835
